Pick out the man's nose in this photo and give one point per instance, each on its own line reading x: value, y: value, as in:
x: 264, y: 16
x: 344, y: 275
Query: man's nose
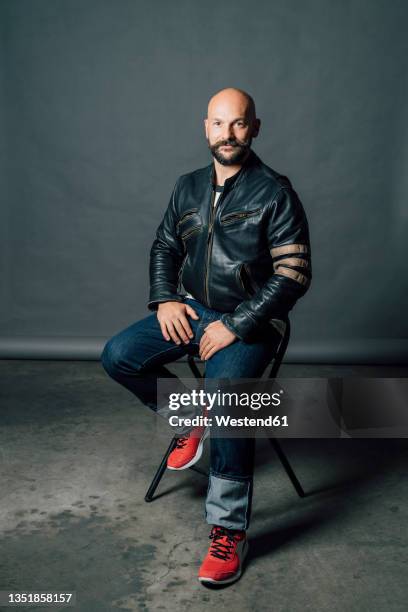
x: 228, y: 133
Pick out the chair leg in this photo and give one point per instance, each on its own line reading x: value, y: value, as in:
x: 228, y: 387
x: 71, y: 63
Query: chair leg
x: 162, y: 468
x: 158, y: 476
x: 288, y: 468
x: 193, y: 367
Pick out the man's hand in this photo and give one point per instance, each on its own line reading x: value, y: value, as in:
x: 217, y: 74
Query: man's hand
x: 216, y: 336
x: 173, y: 321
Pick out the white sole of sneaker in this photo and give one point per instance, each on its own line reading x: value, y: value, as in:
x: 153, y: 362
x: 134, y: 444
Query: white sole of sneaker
x: 198, y: 454
x: 206, y: 580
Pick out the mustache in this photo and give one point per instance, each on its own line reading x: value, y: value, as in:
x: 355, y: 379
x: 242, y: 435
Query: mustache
x: 231, y: 144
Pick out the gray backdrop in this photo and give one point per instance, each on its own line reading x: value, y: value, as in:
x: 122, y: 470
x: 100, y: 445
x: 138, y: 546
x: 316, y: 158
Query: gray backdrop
x: 102, y: 107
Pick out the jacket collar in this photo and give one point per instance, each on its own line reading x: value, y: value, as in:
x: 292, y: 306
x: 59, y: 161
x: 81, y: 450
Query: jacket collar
x: 232, y: 181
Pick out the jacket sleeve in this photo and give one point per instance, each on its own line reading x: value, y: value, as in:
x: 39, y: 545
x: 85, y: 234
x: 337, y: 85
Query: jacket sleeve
x: 289, y: 246
x: 166, y: 256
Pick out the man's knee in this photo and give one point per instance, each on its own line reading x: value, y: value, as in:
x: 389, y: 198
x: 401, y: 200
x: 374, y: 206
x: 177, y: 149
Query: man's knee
x: 110, y: 357
x: 114, y: 358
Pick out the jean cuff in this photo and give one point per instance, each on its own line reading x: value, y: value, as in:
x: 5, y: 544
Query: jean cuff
x: 228, y: 502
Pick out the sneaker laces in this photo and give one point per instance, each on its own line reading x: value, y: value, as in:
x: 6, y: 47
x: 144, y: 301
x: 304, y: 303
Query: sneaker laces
x: 219, y: 549
x: 182, y: 441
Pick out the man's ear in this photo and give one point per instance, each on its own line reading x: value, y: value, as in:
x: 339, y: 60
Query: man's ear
x: 206, y: 127
x: 257, y: 127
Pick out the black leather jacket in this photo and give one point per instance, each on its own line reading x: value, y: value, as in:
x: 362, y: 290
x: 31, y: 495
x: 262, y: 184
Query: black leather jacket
x: 249, y: 258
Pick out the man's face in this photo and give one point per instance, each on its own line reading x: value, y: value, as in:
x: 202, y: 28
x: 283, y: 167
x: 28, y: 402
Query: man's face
x: 229, y: 133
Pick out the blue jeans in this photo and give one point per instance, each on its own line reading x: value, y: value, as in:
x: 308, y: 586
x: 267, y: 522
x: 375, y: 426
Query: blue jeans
x: 135, y: 358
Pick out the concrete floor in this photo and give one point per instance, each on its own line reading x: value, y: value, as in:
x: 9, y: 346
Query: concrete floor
x: 77, y: 453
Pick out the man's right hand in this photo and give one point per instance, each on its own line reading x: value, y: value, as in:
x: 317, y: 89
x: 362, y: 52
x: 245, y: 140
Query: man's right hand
x: 174, y: 324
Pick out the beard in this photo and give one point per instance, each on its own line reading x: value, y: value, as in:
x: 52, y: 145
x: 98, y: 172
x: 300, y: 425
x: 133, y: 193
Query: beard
x: 238, y: 154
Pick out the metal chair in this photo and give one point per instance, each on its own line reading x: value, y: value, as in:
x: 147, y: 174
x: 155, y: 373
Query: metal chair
x: 274, y: 442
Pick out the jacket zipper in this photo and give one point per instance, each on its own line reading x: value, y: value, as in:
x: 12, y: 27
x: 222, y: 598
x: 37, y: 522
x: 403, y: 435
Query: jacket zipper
x: 238, y: 215
x: 209, y: 244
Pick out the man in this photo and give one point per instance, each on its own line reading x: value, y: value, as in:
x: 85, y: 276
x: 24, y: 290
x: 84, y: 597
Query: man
x: 236, y: 237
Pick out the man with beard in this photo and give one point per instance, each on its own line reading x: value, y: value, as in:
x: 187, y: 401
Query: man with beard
x: 235, y: 236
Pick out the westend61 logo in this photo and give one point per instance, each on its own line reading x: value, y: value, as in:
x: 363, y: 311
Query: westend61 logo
x: 255, y: 401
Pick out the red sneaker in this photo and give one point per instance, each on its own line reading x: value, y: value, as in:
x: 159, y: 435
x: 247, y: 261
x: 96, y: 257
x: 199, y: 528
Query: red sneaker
x: 224, y: 561
x: 188, y: 450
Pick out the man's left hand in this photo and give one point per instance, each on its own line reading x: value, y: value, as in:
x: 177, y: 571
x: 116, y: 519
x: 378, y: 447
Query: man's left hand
x: 216, y: 336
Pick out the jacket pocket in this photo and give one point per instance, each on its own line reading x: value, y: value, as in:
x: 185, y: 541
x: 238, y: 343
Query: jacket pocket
x: 245, y: 280
x: 189, y: 223
x: 239, y: 215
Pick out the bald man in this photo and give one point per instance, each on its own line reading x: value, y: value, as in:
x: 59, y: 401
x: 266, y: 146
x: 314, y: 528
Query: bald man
x: 230, y: 259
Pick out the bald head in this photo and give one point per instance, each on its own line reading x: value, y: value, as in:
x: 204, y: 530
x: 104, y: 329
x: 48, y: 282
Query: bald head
x: 230, y: 126
x: 232, y: 98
